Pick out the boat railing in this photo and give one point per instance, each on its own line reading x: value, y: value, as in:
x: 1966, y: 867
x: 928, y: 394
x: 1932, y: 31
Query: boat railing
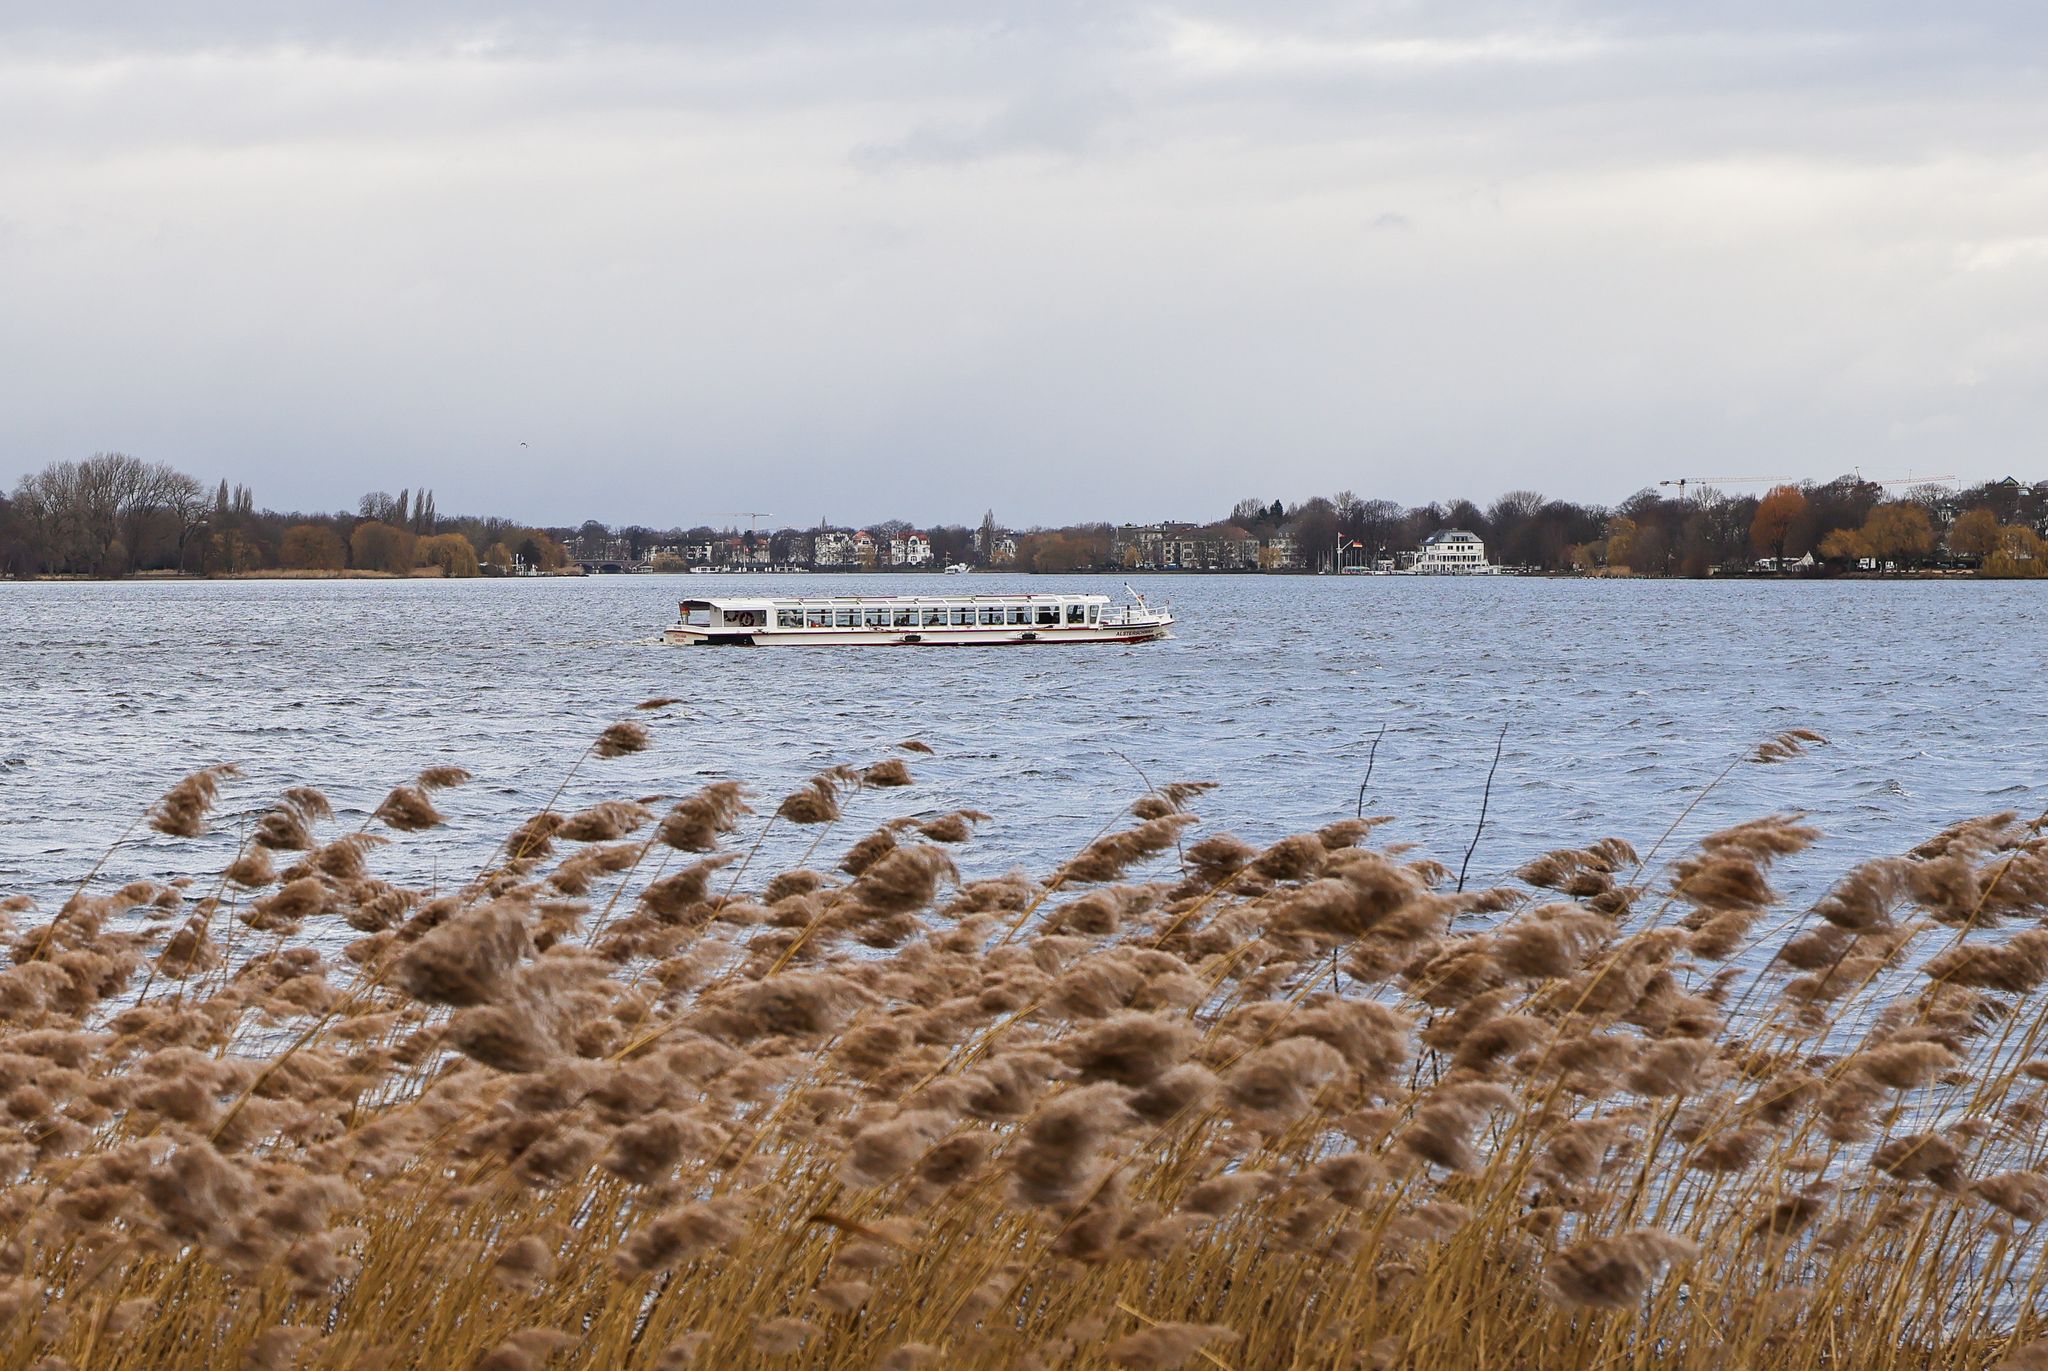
x: 1135, y: 615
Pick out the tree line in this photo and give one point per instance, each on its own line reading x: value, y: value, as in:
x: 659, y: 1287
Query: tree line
x: 1996, y: 528
x: 115, y: 515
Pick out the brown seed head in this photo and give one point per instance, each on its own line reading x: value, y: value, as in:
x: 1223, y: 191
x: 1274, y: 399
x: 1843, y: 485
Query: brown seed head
x: 1614, y: 1273
x: 622, y: 739
x: 181, y: 813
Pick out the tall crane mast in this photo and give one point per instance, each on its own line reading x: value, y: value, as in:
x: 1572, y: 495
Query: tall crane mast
x: 752, y: 516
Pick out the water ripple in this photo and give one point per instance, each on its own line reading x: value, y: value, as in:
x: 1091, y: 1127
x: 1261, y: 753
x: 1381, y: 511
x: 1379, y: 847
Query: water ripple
x: 1622, y: 701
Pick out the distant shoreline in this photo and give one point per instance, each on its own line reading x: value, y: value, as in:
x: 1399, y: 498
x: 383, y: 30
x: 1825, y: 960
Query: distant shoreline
x: 435, y: 574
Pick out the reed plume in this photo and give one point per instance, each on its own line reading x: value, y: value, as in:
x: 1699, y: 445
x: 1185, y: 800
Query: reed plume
x: 621, y: 1099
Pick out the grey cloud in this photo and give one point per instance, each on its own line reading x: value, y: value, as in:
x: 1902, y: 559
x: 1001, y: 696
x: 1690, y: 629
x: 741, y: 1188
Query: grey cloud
x: 922, y: 258
x: 1062, y: 122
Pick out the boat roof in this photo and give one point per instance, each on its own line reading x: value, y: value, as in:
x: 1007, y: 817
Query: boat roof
x: 728, y: 602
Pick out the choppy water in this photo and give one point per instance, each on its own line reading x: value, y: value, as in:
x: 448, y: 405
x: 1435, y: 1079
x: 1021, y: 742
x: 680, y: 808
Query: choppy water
x: 1620, y: 700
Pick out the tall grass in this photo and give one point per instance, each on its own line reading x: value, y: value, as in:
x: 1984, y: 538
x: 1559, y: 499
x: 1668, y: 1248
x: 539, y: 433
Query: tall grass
x: 623, y: 1100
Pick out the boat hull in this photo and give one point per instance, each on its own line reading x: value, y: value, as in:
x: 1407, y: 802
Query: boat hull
x: 1017, y: 635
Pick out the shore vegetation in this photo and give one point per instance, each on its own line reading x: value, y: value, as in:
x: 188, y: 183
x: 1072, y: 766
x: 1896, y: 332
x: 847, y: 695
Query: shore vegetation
x: 112, y: 515
x: 623, y: 1097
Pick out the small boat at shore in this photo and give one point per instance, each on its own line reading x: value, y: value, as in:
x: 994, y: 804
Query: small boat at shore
x: 916, y: 620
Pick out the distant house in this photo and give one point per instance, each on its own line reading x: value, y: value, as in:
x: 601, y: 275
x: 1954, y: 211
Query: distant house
x: 1805, y: 563
x: 910, y: 549
x: 833, y: 547
x: 1185, y: 547
x: 865, y: 551
x: 1144, y: 545
x: 1452, y: 552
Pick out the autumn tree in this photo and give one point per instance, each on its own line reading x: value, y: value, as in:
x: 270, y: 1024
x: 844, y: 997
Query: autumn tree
x: 1975, y: 534
x: 2018, y: 551
x: 378, y: 546
x: 454, y: 554
x: 1650, y: 552
x: 1618, y: 541
x: 311, y: 547
x: 1899, y: 531
x: 1844, y: 545
x: 1776, y: 514
x: 537, y: 550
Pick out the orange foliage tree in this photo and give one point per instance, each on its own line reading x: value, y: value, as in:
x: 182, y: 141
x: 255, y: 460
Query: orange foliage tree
x: 1776, y: 513
x: 1975, y: 534
x: 311, y: 547
x: 378, y: 546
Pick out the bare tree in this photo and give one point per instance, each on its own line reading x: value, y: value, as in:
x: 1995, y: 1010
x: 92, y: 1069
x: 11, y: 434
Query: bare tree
x: 1349, y: 508
x: 1249, y: 513
x: 1514, y: 507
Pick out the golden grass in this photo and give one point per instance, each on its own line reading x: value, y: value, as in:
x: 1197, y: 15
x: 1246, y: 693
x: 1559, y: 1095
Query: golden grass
x: 622, y: 1100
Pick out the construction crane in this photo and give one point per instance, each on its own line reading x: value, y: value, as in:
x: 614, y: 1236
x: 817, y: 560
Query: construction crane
x: 1684, y: 481
x: 752, y: 516
x: 1902, y: 480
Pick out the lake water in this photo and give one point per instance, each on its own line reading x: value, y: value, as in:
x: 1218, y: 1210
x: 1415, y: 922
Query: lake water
x: 1620, y: 701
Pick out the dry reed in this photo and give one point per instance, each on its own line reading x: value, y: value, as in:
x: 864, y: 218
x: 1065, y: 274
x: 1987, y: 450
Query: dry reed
x: 1300, y: 1106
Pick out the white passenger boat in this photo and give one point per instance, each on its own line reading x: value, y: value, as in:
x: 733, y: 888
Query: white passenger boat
x: 929, y: 621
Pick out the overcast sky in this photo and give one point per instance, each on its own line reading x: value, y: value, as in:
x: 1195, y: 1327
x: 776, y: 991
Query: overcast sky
x: 915, y: 259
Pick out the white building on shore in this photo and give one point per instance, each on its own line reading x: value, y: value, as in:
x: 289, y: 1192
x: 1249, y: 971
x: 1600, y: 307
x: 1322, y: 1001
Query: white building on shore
x: 1453, y: 552
x: 910, y: 549
x: 832, y: 547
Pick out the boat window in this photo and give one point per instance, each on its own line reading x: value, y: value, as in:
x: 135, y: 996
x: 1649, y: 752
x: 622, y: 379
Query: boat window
x: 817, y: 618
x: 991, y: 614
x: 1077, y: 614
x: 933, y: 617
x: 1095, y: 614
x: 700, y: 618
x: 845, y: 618
x: 1020, y: 614
x: 962, y: 614
x: 906, y: 618
x: 877, y: 618
x: 789, y: 618
x: 1048, y: 614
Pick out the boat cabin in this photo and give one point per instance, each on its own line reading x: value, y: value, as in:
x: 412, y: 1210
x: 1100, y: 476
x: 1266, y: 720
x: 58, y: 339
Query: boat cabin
x: 915, y: 619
